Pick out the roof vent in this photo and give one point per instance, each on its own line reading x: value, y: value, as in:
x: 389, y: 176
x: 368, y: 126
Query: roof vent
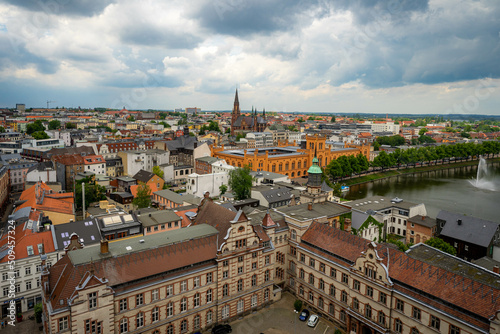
x: 141, y: 241
x: 459, y: 221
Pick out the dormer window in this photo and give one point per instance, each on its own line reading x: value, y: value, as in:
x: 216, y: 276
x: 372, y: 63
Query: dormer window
x: 241, y: 229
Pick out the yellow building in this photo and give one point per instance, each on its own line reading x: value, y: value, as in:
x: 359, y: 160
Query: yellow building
x: 292, y: 161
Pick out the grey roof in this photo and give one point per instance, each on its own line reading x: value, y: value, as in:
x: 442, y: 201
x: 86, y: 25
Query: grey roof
x: 267, y: 175
x: 423, y: 220
x: 487, y: 263
x: 454, y: 264
x: 230, y: 206
x: 170, y: 195
x: 377, y: 203
x: 325, y: 209
x: 325, y: 187
x: 143, y: 176
x: 158, y: 218
x: 209, y: 160
x: 87, y: 231
x: 122, y: 194
x: 42, y: 166
x: 274, y: 194
x: 183, y: 142
x: 21, y: 213
x: 126, y: 179
x: 132, y: 245
x: 471, y: 229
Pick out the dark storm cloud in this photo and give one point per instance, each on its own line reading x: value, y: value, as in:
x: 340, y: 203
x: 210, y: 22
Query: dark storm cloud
x: 150, y: 35
x: 63, y: 7
x: 244, y: 17
x: 14, y: 54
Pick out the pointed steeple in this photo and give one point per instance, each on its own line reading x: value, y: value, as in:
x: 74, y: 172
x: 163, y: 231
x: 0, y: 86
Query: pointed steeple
x: 236, y: 97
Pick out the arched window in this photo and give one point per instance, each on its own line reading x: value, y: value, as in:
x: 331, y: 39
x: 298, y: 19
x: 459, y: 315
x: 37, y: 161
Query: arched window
x: 321, y: 304
x: 298, y: 173
x: 184, y: 326
x: 293, y: 174
x: 299, y: 165
x: 170, y: 329
x: 196, y: 322
x: 140, y: 319
x: 266, y: 295
x: 209, y: 317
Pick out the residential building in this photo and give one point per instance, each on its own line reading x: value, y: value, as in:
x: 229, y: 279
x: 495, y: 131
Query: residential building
x: 184, y: 150
x: 167, y: 199
x: 67, y: 167
x: 95, y: 164
x: 263, y: 177
x: 159, y: 221
x: 123, y: 199
x: 114, y: 167
x: 149, y: 178
x: 181, y: 172
x: 134, y: 161
x: 111, y: 149
x: 42, y: 171
x: 420, y: 229
x: 271, y: 196
x: 259, y: 139
x: 204, y: 165
x: 198, y: 184
x: 472, y: 237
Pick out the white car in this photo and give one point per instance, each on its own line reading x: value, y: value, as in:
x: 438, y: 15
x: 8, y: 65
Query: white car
x: 313, y: 320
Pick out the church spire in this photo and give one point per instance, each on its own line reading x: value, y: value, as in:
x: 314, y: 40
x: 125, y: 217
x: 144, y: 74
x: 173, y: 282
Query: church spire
x: 236, y: 101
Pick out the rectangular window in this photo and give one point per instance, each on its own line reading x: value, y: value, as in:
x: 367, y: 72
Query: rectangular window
x: 27, y: 270
x: 63, y: 324
x: 311, y: 263
x: 333, y: 273
x: 322, y: 267
x: 170, y: 290
x: 383, y: 298
x: 345, y: 279
x: 355, y: 285
x: 196, y: 282
x: 267, y: 259
x: 209, y: 278
x: 398, y: 326
x: 369, y: 291
x: 400, y: 305
x: 155, y: 295
x: 92, y: 300
x: 183, y: 286
x: 302, y: 258
x: 139, y: 299
x: 123, y: 305
x: 435, y: 322
x: 28, y: 285
x: 416, y: 313
x: 454, y: 329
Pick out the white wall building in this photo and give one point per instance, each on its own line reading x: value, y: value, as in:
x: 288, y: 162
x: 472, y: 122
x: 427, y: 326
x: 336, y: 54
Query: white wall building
x: 198, y: 184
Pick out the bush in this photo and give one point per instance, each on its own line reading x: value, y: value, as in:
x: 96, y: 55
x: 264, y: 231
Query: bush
x: 338, y: 331
x: 297, y: 305
x: 38, y: 312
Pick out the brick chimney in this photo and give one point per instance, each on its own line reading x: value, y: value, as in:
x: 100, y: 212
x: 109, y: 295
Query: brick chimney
x: 104, y: 246
x: 347, y: 225
x: 496, y: 270
x: 310, y: 206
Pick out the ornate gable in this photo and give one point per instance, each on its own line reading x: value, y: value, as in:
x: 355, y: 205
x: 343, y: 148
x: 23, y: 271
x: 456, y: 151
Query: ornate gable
x: 371, y: 265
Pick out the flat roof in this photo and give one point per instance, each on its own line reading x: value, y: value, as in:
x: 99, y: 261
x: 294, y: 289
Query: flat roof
x: 141, y: 243
x: 377, y: 203
x: 325, y: 209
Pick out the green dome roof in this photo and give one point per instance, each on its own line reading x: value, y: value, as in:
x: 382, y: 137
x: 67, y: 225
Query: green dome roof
x: 314, y: 169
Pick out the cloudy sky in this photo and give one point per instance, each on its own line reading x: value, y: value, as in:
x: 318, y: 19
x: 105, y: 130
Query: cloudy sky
x: 385, y: 56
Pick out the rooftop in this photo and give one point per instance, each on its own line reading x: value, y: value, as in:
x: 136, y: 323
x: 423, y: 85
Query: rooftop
x: 377, y: 203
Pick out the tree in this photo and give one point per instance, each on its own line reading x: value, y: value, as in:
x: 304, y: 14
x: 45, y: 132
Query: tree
x: 54, y: 124
x: 93, y: 192
x: 297, y: 305
x: 239, y: 136
x: 301, y: 120
x: 332, y: 120
x: 157, y: 170
x: 2, y: 129
x: 35, y: 127
x: 131, y: 118
x: 70, y: 126
x: 222, y: 189
x: 422, y: 131
x: 441, y: 245
x: 143, y: 197
x: 228, y: 130
x: 376, y: 146
x: 40, y: 135
x: 240, y: 182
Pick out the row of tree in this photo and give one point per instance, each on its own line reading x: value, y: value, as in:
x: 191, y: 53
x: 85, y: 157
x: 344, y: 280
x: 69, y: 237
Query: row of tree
x: 346, y: 166
x: 412, y: 156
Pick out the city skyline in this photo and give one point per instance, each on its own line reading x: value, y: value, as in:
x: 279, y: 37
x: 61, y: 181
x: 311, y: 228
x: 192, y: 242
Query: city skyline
x: 415, y: 57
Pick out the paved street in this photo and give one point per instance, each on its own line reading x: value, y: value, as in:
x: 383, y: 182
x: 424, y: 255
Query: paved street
x: 279, y: 318
x: 25, y: 326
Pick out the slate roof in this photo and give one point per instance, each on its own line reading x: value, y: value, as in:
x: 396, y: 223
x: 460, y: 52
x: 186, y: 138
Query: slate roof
x: 217, y: 216
x: 328, y: 209
x: 170, y: 195
x: 186, y: 142
x: 42, y: 166
x: 423, y: 221
x: 473, y: 230
x: 87, y: 231
x: 158, y: 218
x: 274, y: 194
x: 143, y: 176
x: 325, y: 187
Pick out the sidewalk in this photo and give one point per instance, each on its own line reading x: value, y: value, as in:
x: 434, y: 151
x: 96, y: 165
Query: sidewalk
x: 25, y: 326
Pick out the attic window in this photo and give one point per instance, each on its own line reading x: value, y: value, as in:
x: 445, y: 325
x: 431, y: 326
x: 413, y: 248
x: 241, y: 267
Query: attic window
x: 241, y: 229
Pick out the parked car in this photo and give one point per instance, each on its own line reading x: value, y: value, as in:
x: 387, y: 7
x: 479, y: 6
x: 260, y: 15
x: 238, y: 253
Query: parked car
x: 304, y: 315
x: 313, y: 320
x: 221, y: 329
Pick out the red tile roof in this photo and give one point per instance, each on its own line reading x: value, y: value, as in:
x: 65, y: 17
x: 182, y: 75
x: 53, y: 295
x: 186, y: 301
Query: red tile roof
x: 48, y: 201
x: 24, y: 238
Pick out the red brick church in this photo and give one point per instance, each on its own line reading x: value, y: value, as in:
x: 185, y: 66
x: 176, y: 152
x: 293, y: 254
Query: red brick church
x: 244, y: 124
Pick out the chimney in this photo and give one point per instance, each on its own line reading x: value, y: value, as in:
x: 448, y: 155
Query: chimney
x: 459, y: 221
x: 310, y: 206
x: 423, y: 217
x: 206, y: 194
x: 104, y: 246
x: 496, y: 270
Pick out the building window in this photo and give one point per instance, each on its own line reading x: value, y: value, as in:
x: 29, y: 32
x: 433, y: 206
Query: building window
x: 301, y: 290
x: 321, y: 284
x: 381, y: 318
x: 170, y: 329
x: 355, y: 285
x: 302, y: 273
x: 355, y: 304
x: 368, y: 311
x: 209, y: 317
x: 414, y: 331
x: 383, y: 298
x: 435, y: 322
x: 311, y: 297
x: 241, y: 306
x: 28, y: 285
x: 400, y: 305
x: 344, y: 297
x: 332, y: 290
x: 92, y: 300
x: 312, y: 263
x: 225, y: 290
x: 154, y: 295
x: 255, y: 300
x: 322, y: 267
x: 140, y: 319
x: 209, y: 278
x: 266, y: 295
x: 124, y: 325
x: 267, y: 259
x: 196, y: 282
x: 170, y: 309
x: 416, y: 313
x: 225, y: 274
x: 225, y: 312
x: 398, y: 326
x: 321, y: 303
x: 139, y: 299
x: 123, y: 304
x: 184, y: 326
x: 345, y: 279
x: 63, y: 323
x: 254, y: 280
x: 27, y: 270
x: 342, y: 316
x: 184, y: 304
x: 311, y: 279
x: 183, y: 286
x: 302, y: 257
x: 196, y: 322
x: 155, y: 314
x: 170, y: 290
x: 267, y: 275
x: 333, y: 273
x: 240, y: 270
x: 196, y: 300
x: 369, y: 291
x: 454, y: 329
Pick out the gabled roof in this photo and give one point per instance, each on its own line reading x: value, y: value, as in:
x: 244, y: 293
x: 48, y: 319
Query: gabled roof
x: 470, y: 229
x: 143, y: 176
x: 217, y: 216
x: 25, y: 237
x: 87, y: 231
x: 170, y: 195
x: 158, y: 218
x: 40, y: 197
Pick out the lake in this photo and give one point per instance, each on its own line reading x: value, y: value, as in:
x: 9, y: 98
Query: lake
x: 451, y: 189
